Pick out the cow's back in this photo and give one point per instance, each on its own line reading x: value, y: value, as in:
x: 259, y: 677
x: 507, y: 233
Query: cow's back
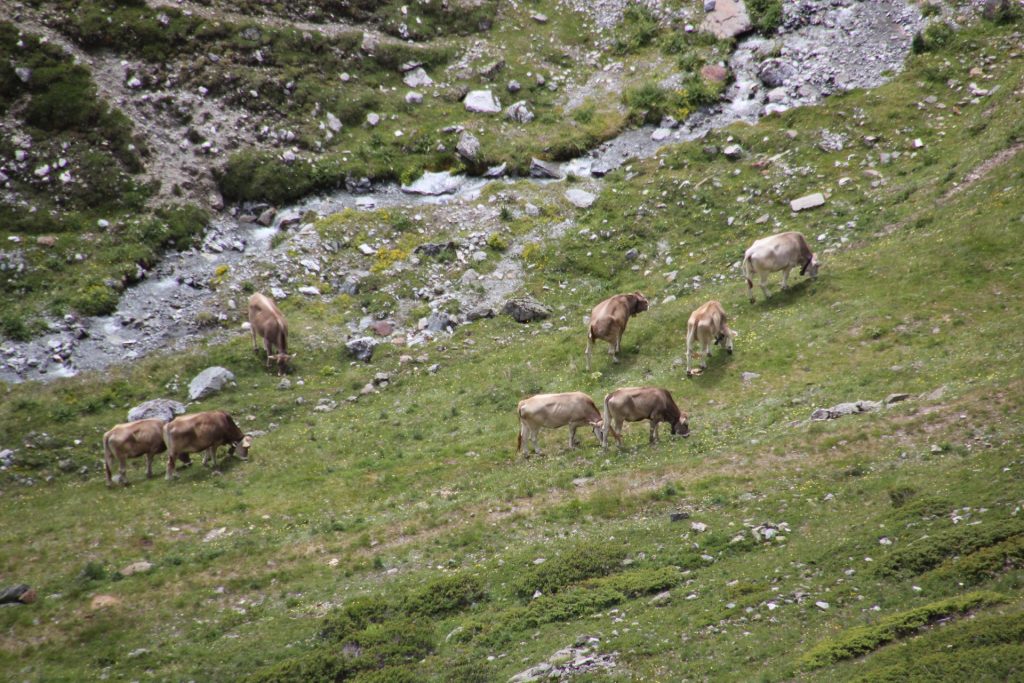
x: 558, y: 410
x: 608, y: 317
x: 135, y: 438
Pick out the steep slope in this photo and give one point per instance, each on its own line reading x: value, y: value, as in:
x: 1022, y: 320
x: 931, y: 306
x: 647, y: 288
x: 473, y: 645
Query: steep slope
x: 398, y: 537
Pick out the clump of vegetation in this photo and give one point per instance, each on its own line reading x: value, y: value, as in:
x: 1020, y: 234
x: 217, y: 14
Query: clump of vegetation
x: 982, y: 565
x: 935, y: 36
x: 649, y: 102
x: 444, y: 595
x: 638, y: 29
x: 766, y: 15
x: 861, y: 640
x: 583, y: 561
x: 497, y: 242
x: 930, y: 552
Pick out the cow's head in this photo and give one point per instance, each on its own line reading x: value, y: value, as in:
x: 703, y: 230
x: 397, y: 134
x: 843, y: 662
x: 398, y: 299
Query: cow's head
x: 282, y: 360
x: 640, y: 303
x: 725, y: 337
x: 681, y: 427
x: 598, y: 427
x: 241, y: 448
x: 811, y: 267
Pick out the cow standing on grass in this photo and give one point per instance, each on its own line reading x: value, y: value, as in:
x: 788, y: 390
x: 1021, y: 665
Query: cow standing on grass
x: 267, y: 321
x: 608, y: 321
x: 784, y: 251
x: 707, y: 326
x: 205, y: 431
x: 551, y: 411
x: 633, y: 404
x: 130, y: 440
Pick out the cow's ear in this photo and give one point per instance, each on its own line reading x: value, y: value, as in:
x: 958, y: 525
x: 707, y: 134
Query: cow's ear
x: 733, y: 333
x: 246, y: 441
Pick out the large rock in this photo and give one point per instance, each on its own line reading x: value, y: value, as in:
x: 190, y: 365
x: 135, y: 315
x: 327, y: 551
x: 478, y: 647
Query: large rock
x: 807, y: 202
x: 434, y: 184
x: 519, y: 112
x: 371, y: 41
x: 361, y: 348
x: 482, y: 102
x: 162, y: 408
x: 526, y: 309
x: 774, y: 73
x: 715, y: 73
x: 468, y: 146
x: 209, y: 382
x: 438, y: 321
x: 728, y: 19
x: 417, y: 78
x: 580, y: 198
x: 544, y: 169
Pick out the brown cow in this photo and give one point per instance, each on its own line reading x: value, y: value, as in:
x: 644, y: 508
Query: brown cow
x: 205, y: 431
x: 130, y: 440
x: 608, y: 321
x: 267, y: 321
x: 552, y: 411
x: 784, y: 252
x: 707, y: 326
x: 633, y: 404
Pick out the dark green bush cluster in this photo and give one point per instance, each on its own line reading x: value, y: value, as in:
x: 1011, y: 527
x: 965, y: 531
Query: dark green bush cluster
x: 133, y: 28
x: 95, y: 299
x: 252, y: 175
x: 638, y: 29
x: 649, y: 102
x: 766, y: 15
x: 933, y: 37
x: 583, y: 561
x: 863, y: 639
x: 444, y: 595
x: 984, y: 564
x: 920, y: 556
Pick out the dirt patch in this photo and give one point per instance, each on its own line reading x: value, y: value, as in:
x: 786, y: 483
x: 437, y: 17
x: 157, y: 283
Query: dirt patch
x: 982, y: 170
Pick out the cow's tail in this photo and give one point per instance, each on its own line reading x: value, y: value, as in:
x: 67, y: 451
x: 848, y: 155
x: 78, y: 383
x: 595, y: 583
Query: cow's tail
x: 607, y: 417
x: 108, y: 457
x: 519, y: 437
x: 747, y: 270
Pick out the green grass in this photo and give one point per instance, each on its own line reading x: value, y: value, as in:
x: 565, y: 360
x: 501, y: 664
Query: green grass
x: 396, y: 537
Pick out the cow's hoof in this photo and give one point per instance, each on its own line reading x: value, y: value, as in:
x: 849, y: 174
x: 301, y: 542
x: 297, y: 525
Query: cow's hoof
x: 171, y: 477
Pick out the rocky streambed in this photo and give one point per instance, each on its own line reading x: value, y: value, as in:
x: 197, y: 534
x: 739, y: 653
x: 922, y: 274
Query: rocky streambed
x: 822, y: 48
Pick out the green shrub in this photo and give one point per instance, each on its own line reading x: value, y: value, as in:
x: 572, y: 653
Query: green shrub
x: 356, y: 615
x: 919, y: 556
x: 649, y: 102
x: 990, y: 663
x: 860, y: 640
x: 497, y: 242
x: 444, y: 595
x: 900, y: 495
x: 393, y: 642
x: 316, y: 667
x: 583, y: 561
x: 984, y: 564
x: 254, y: 176
x: 766, y: 15
x: 639, y: 582
x: 933, y: 37
x: 96, y: 299
x: 638, y: 29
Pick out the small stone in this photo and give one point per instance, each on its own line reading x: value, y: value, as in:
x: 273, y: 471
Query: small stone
x: 679, y: 516
x: 209, y: 382
x: 662, y: 598
x: 361, y: 348
x: 716, y: 73
x: 526, y: 309
x: 539, y: 18
x: 413, y: 97
x: 581, y: 199
x: 417, y: 78
x: 699, y: 527
x: 372, y: 119
x: 366, y: 249
x: 733, y: 151
x: 821, y: 604
x: 544, y: 169
x: 895, y: 398
x: 104, y: 601
x: 514, y: 86
x: 370, y: 43
x: 333, y: 122
x: 749, y: 376
x: 519, y: 112
x: 482, y: 102
x: 468, y: 146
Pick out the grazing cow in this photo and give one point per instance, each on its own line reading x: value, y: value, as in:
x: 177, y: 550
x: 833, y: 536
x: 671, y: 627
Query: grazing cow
x: 707, y: 325
x: 784, y: 252
x: 608, y: 321
x: 205, y: 431
x: 130, y: 440
x: 633, y: 404
x: 267, y: 321
x: 572, y: 409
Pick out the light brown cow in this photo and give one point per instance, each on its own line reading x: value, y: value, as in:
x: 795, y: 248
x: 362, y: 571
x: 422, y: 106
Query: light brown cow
x: 130, y: 440
x: 707, y: 326
x: 633, y: 404
x: 267, y: 321
x: 784, y: 252
x: 608, y: 321
x: 205, y: 431
x: 573, y: 409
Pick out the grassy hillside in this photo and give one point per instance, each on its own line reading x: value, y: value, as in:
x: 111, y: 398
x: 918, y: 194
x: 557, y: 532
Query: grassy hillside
x: 398, y: 537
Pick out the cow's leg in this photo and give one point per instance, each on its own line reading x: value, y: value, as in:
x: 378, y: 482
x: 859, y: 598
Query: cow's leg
x: 149, y: 465
x: 587, y: 352
x: 764, y: 284
x: 618, y: 431
x: 705, y: 354
x: 535, y: 436
x: 122, y: 470
x: 785, y: 278
x: 689, y: 354
x: 615, y: 347
x: 211, y: 453
x: 255, y: 346
x: 654, y: 432
x: 750, y: 289
x: 572, y: 436
x: 171, y: 457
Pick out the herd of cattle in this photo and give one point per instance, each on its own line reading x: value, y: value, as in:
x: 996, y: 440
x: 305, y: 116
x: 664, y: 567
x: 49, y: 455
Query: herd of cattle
x: 707, y: 326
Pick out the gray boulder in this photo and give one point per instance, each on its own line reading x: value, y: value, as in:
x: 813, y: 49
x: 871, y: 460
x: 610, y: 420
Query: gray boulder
x: 727, y: 19
x: 437, y: 321
x: 482, y: 102
x: 519, y: 112
x: 162, y: 408
x: 468, y: 146
x: 496, y: 171
x: 209, y: 382
x: 775, y: 73
x: 581, y: 199
x: 544, y: 169
x: 361, y: 348
x: 526, y: 309
x: 417, y: 78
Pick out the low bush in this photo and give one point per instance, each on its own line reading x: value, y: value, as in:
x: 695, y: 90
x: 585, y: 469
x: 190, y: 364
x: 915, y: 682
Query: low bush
x: 863, y: 639
x: 444, y: 595
x: 766, y: 15
x: 584, y: 561
x: 931, y: 551
x: 982, y: 565
x: 933, y: 37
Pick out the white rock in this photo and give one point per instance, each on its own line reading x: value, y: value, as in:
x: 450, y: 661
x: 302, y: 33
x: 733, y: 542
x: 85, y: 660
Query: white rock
x: 366, y: 249
x: 333, y: 122
x: 807, y: 202
x: 580, y: 198
x: 482, y: 102
x: 417, y: 78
